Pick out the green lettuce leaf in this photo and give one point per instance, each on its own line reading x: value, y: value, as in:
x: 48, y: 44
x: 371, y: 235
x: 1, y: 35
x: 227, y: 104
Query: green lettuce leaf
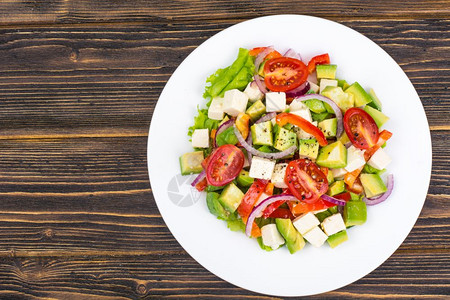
x: 201, y: 121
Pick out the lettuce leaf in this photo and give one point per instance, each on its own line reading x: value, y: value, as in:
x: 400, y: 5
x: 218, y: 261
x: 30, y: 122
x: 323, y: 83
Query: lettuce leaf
x: 201, y: 121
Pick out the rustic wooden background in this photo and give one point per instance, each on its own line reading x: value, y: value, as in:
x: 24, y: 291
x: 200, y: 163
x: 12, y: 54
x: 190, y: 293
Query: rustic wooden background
x: 79, y: 80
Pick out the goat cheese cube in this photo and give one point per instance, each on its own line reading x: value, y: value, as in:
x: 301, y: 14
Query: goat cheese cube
x: 253, y: 93
x: 333, y: 224
x: 271, y: 237
x: 338, y: 173
x: 278, y: 175
x: 200, y: 138
x: 355, y: 159
x: 275, y: 101
x: 215, y: 110
x: 314, y: 87
x: 261, y: 168
x: 379, y: 160
x: 303, y: 135
x: 316, y: 237
x: 305, y: 222
x: 234, y: 102
x: 327, y: 82
x: 297, y: 105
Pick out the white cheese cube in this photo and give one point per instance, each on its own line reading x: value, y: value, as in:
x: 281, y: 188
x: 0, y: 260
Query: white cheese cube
x: 275, y: 101
x: 303, y: 135
x: 261, y: 168
x: 215, y: 110
x: 253, y: 93
x: 316, y: 237
x: 379, y: 159
x: 278, y: 175
x: 271, y: 237
x: 297, y: 105
x: 200, y: 138
x: 314, y: 87
x: 355, y: 159
x: 327, y: 82
x: 306, y: 222
x: 304, y: 113
x: 338, y: 173
x: 234, y: 102
x: 333, y: 224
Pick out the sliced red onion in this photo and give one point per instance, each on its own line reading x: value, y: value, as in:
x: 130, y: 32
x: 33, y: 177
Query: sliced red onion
x: 250, y: 142
x: 291, y: 53
x: 199, y: 178
x: 260, y: 57
x: 260, y: 84
x: 333, y: 200
x: 257, y: 210
x: 222, y: 128
x: 381, y: 198
x: 299, y: 91
x: 253, y: 151
x: 336, y: 109
x: 348, y: 144
x: 266, y: 117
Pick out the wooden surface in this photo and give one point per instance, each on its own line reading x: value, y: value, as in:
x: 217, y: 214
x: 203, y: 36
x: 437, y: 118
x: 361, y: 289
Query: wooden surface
x: 78, y: 84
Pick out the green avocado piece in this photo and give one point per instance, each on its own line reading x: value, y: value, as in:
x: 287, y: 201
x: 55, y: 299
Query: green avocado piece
x: 315, y: 106
x: 344, y: 138
x: 326, y: 71
x: 294, y: 240
x: 333, y: 210
x: 355, y: 213
x: 361, y: 96
x: 214, y: 206
x: 336, y: 188
x: 328, y: 127
x: 284, y: 139
x: 244, y: 179
x: 343, y: 84
x: 355, y: 197
x: 256, y: 110
x: 372, y: 184
x: 376, y: 115
x: 262, y: 133
x: 330, y: 177
x: 227, y: 137
x: 338, y: 238
x: 261, y: 69
x: 376, y: 103
x: 342, y: 99
x: 191, y: 163
x: 308, y: 148
x: 231, y: 197
x: 333, y: 156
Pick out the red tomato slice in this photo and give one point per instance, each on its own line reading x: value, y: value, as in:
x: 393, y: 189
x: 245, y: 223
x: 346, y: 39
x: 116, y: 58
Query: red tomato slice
x: 384, y: 136
x: 252, y: 195
x: 323, y: 59
x: 257, y: 50
x: 305, y: 180
x: 360, y: 127
x: 303, y: 207
x: 224, y: 165
x: 343, y: 196
x: 284, y: 73
x: 282, y: 213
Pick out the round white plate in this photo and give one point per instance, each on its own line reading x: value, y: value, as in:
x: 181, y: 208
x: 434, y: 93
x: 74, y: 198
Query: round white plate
x: 231, y: 255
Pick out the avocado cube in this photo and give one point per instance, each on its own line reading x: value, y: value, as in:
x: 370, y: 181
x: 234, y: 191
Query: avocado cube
x: 191, y: 163
x: 344, y: 138
x: 373, y: 185
x: 337, y: 238
x: 376, y: 115
x: 330, y: 177
x: 315, y: 106
x: 355, y: 197
x: 326, y: 71
x: 256, y: 110
x: 343, y: 99
x: 284, y: 139
x: 262, y: 133
x: 376, y: 103
x: 231, y: 197
x: 336, y: 188
x: 328, y: 127
x: 244, y: 179
x: 214, y: 206
x: 361, y: 96
x: 343, y: 84
x: 332, y: 156
x: 308, y: 148
x: 355, y: 213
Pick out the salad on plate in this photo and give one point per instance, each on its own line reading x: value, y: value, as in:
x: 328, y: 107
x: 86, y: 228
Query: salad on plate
x: 287, y: 152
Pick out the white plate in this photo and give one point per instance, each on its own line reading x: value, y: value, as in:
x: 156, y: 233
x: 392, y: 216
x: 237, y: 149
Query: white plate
x: 231, y: 255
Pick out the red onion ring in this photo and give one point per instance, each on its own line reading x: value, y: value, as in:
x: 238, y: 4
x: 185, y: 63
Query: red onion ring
x: 299, y: 91
x: 291, y: 53
x: 381, y: 198
x: 222, y: 128
x: 333, y: 200
x: 260, y: 57
x: 266, y: 117
x: 250, y: 142
x: 257, y: 210
x: 253, y: 151
x: 199, y: 178
x: 336, y: 109
x: 260, y: 84
x: 348, y: 144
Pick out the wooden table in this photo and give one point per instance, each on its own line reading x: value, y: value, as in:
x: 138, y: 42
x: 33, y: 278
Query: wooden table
x: 78, y: 84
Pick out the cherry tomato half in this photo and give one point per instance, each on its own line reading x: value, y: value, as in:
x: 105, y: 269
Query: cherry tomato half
x: 361, y: 129
x: 323, y: 59
x: 284, y: 73
x: 305, y: 180
x: 224, y: 165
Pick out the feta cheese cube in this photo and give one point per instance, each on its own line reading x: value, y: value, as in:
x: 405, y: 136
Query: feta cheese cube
x: 355, y: 159
x: 305, y: 222
x: 303, y: 135
x: 261, y: 168
x: 275, y: 101
x: 215, y: 110
x: 234, y: 102
x: 271, y: 237
x: 297, y: 105
x: 333, y: 224
x: 316, y: 237
x: 278, y: 175
x: 379, y: 160
x: 304, y: 113
x: 200, y: 138
x: 327, y: 82
x: 338, y: 173
x: 253, y: 93
x: 314, y: 87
